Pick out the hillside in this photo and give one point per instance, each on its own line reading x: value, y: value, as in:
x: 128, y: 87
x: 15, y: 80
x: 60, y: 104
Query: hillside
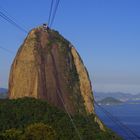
x: 24, y: 119
x: 110, y: 101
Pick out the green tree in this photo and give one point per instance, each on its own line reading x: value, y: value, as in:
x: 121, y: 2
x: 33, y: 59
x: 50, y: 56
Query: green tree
x: 39, y: 131
x: 11, y: 134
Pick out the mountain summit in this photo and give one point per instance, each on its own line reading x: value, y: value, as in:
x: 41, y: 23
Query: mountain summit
x: 48, y: 67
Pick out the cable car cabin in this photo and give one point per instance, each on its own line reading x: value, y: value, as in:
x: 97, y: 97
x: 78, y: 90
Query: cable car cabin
x: 45, y: 26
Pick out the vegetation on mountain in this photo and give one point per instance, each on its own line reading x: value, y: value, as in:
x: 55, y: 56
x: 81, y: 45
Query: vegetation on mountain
x: 34, y: 119
x: 3, y: 95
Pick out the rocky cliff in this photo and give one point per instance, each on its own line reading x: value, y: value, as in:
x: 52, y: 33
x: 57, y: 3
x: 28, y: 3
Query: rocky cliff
x: 48, y: 67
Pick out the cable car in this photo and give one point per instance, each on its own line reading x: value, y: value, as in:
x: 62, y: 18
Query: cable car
x: 45, y: 26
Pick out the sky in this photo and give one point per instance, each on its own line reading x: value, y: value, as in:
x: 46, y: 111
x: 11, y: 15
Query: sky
x: 106, y: 33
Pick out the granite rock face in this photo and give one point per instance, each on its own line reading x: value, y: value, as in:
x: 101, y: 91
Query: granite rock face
x: 48, y: 67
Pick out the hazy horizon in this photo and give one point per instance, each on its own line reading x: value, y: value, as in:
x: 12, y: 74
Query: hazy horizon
x: 106, y: 34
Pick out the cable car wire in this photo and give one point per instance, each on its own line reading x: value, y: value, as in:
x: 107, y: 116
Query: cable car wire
x: 59, y: 92
x: 55, y: 11
x: 7, y: 13
x: 50, y: 13
x: 11, y: 21
x: 7, y: 50
x: 118, y: 122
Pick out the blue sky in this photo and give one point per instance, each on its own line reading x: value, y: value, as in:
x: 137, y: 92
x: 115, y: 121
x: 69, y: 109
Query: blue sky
x: 106, y: 33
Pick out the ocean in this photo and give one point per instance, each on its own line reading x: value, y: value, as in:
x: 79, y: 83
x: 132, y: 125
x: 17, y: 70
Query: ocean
x: 128, y: 114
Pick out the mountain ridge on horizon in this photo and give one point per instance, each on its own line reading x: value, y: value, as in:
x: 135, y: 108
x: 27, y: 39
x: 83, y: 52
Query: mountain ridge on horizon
x: 118, y: 95
x: 101, y: 95
x: 95, y: 92
x: 3, y: 90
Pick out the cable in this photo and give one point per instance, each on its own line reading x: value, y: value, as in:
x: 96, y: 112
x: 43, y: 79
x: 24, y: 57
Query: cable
x: 55, y: 10
x: 5, y: 17
x: 59, y: 95
x: 112, y: 119
x: 69, y: 115
x: 12, y: 22
x: 117, y: 121
x: 50, y: 13
x: 9, y: 51
x: 7, y: 13
x: 54, y: 13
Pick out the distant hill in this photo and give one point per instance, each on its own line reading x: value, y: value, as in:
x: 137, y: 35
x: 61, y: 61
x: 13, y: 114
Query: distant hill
x: 3, y: 90
x: 136, y: 97
x: 117, y: 95
x: 3, y: 93
x: 110, y: 101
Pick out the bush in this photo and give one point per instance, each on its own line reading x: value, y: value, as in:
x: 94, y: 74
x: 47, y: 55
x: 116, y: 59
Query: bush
x: 11, y: 134
x: 39, y: 131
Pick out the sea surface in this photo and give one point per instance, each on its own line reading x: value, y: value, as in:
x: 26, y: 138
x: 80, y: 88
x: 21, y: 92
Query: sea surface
x: 128, y: 114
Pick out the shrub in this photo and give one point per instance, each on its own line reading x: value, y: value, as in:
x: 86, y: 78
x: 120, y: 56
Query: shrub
x: 39, y: 131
